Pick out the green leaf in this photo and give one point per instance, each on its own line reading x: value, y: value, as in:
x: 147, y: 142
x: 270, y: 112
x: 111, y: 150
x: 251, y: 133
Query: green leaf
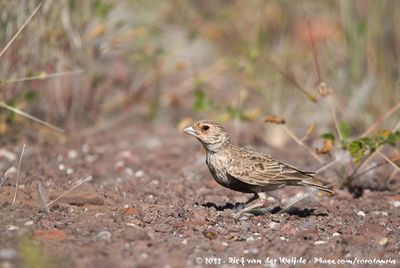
x: 201, y: 102
x: 31, y: 96
x: 102, y: 8
x: 328, y: 136
x: 344, y: 130
x: 357, y: 150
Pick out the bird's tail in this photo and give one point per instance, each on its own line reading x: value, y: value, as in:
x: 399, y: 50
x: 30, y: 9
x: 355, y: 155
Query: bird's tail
x: 315, y: 185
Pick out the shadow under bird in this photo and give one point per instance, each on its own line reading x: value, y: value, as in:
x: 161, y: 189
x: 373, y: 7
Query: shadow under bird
x: 244, y: 169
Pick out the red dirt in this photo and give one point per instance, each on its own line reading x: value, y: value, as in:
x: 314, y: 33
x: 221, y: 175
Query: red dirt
x: 152, y: 203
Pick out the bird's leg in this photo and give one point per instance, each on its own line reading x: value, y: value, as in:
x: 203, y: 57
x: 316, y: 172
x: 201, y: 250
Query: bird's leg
x: 241, y: 206
x: 251, y: 199
x: 260, y: 203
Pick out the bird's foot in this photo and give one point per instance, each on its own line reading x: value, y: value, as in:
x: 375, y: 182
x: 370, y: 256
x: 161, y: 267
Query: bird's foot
x: 239, y: 206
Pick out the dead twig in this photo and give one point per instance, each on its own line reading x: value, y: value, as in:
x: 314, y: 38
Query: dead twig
x: 19, y: 167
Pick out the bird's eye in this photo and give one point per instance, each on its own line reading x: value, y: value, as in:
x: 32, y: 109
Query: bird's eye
x: 205, y: 127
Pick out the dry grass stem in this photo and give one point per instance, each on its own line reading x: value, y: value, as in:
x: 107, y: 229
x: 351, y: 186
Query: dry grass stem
x: 19, y: 167
x: 41, y: 76
x: 333, y: 110
x: 388, y: 160
x: 299, y: 142
x: 382, y: 119
x: 67, y: 192
x: 43, y: 197
x: 28, y: 116
x: 21, y: 28
x: 332, y: 163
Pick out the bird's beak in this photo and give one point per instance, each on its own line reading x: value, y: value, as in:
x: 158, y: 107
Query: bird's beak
x: 189, y: 130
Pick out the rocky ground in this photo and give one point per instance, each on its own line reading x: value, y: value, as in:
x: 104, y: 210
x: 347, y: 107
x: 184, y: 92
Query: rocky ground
x: 151, y: 202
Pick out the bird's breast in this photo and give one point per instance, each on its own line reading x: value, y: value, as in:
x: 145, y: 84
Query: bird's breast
x: 217, y: 166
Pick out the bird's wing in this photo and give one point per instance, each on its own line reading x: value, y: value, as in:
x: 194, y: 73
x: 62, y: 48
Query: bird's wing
x: 260, y: 169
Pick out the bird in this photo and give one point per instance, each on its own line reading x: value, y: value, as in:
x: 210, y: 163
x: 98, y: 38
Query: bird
x: 244, y: 169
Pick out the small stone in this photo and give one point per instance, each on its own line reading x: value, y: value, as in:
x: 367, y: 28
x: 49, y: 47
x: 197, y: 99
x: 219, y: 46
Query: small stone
x: 383, y: 241
x: 136, y: 234
x: 253, y: 251
x: 7, y: 154
x: 139, y: 173
x: 184, y: 241
x: 52, y: 234
x: 361, y: 213
x: 103, y: 235
x: 72, y: 154
x: 320, y: 242
x: 61, y: 167
x: 273, y: 225
x: 250, y: 239
x: 224, y: 244
x: 129, y: 171
x: 99, y: 214
x: 12, y: 227
x: 246, y: 251
x: 8, y: 254
x: 28, y: 223
x: 283, y: 238
x: 396, y: 204
x: 69, y: 171
x: 270, y: 199
x: 85, y: 148
x: 335, y: 234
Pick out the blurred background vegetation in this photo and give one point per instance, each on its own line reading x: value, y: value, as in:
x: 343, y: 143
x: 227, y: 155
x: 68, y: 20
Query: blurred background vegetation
x: 95, y: 64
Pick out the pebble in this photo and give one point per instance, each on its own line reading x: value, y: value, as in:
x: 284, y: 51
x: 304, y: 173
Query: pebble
x: 61, y: 167
x: 28, y: 223
x: 250, y: 238
x: 69, y: 171
x: 137, y: 234
x: 184, y: 241
x: 12, y: 227
x: 273, y: 225
x: 361, y: 213
x: 139, y: 173
x: 283, y: 238
x: 320, y: 242
x: 396, y: 204
x: 103, y: 235
x: 383, y: 241
x: 335, y: 234
x: 72, y: 154
x: 85, y: 148
x: 8, y: 254
x: 7, y: 154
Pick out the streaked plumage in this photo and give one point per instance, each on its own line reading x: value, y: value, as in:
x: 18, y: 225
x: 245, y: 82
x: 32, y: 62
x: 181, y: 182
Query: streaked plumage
x: 243, y: 169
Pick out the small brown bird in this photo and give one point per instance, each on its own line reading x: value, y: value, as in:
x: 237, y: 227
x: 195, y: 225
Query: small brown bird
x: 243, y: 169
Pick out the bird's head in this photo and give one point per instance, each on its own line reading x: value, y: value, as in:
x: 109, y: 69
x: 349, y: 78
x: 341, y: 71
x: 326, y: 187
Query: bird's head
x: 211, y: 134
